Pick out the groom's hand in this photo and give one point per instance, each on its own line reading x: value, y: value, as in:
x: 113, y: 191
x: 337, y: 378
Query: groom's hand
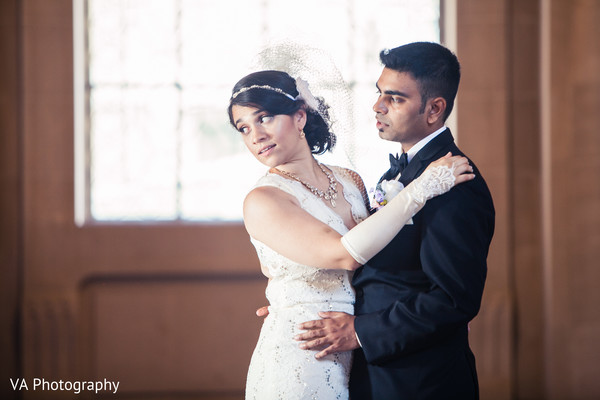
x: 333, y: 334
x: 263, y: 311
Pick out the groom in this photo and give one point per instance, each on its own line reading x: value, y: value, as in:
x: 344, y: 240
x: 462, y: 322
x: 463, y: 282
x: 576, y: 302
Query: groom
x: 415, y: 298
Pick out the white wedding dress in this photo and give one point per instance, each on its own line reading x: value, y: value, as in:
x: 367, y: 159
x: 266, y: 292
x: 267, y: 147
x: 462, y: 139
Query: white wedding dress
x: 279, y: 369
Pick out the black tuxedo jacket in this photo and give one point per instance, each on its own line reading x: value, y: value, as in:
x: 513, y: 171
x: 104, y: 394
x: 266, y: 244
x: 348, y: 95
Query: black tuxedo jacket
x: 415, y: 298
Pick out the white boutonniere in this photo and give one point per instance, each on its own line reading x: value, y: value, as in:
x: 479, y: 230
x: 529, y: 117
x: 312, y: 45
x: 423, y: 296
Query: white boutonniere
x: 384, y: 192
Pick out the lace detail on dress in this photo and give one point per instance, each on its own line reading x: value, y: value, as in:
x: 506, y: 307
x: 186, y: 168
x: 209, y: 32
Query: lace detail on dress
x: 279, y: 369
x: 352, y: 193
x: 433, y: 182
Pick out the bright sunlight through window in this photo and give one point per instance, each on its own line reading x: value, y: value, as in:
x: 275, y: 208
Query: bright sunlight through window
x: 154, y: 79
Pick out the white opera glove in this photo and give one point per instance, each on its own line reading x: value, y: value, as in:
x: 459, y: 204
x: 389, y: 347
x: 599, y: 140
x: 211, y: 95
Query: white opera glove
x: 370, y: 236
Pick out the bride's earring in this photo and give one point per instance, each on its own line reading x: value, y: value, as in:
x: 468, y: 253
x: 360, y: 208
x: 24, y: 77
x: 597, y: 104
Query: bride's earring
x: 302, y: 134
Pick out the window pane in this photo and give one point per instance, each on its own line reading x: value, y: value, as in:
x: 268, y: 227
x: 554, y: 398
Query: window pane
x: 134, y: 152
x: 159, y: 79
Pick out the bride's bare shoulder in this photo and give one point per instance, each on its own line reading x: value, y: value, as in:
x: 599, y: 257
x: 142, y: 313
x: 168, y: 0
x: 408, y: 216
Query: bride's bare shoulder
x: 264, y: 202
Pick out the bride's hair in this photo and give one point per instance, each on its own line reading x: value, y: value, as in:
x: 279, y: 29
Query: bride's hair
x: 276, y: 93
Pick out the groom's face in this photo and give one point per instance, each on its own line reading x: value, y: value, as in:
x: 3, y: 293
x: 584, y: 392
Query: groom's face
x: 399, y: 112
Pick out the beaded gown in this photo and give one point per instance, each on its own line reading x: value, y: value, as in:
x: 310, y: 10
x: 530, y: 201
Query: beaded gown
x: 279, y: 369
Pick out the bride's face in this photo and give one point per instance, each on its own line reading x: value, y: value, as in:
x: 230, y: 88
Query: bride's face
x: 273, y: 139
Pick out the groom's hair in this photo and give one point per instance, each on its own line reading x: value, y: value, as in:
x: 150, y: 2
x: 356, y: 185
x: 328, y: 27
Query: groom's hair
x: 435, y: 68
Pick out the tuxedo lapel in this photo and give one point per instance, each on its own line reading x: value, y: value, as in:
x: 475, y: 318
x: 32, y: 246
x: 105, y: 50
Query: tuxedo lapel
x: 415, y: 167
x: 431, y: 152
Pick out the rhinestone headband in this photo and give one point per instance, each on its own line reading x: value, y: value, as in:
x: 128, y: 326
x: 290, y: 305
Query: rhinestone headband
x: 304, y: 94
x: 267, y: 87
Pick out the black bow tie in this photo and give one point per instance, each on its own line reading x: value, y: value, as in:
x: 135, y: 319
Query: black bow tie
x: 397, y: 164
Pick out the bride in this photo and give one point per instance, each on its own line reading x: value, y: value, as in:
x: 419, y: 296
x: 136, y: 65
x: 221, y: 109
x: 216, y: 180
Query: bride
x: 303, y: 219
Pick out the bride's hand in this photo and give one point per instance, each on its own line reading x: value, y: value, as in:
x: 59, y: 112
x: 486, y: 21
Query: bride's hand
x: 459, y: 165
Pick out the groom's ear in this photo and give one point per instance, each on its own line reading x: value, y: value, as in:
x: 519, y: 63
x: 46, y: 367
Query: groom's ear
x: 436, y: 109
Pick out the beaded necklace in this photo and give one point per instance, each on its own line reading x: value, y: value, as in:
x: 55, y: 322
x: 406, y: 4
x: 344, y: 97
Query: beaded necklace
x: 330, y: 194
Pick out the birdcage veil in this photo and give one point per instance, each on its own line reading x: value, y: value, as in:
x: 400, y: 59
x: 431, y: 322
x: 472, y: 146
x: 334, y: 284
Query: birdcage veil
x: 326, y: 81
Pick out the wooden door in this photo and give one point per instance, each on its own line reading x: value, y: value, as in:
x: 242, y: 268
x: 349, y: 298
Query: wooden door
x: 164, y: 309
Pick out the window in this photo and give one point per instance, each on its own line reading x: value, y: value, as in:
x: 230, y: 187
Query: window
x: 153, y: 80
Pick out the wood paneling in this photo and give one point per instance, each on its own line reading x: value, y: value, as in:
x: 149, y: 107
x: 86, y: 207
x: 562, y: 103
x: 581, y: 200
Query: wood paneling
x: 525, y: 171
x: 572, y: 201
x: 484, y: 134
x: 166, y: 309
x: 176, y: 335
x: 10, y: 197
x: 169, y: 308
